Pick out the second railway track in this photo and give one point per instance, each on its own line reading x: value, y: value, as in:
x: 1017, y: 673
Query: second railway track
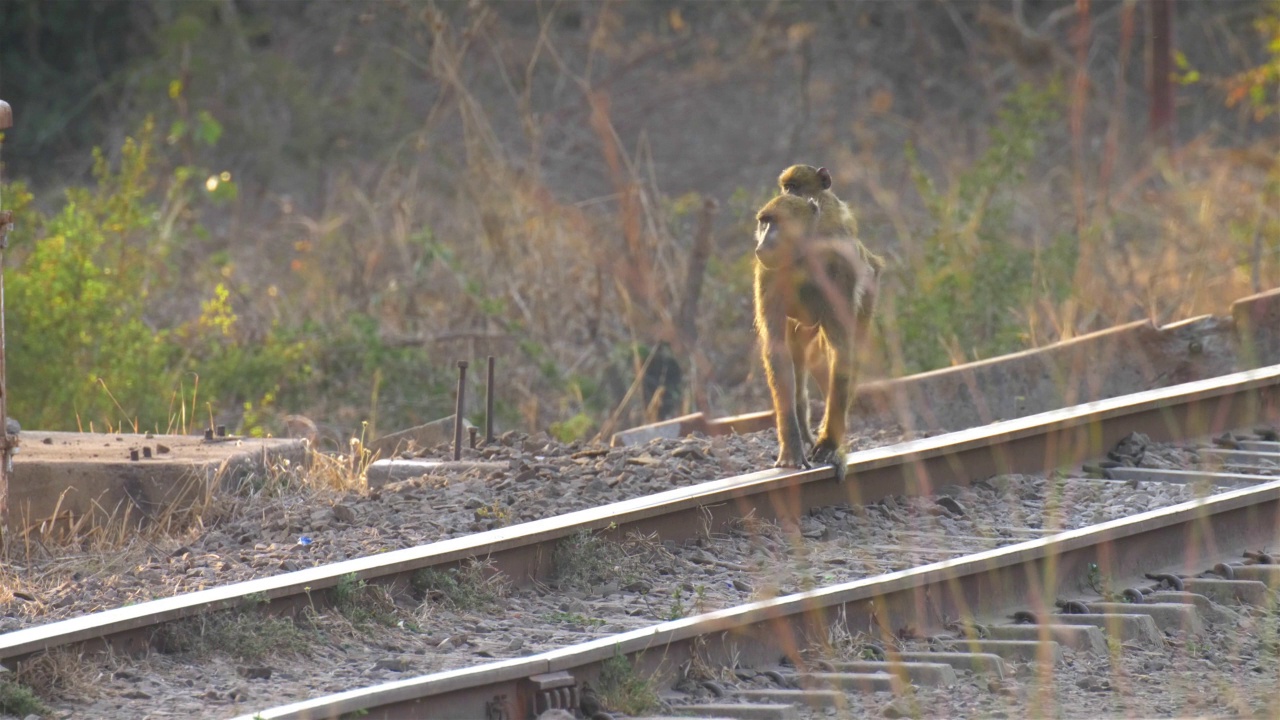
x: 778, y: 502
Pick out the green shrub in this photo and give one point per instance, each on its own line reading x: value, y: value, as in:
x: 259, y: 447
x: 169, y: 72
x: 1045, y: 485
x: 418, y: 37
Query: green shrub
x: 966, y: 292
x: 19, y: 700
x: 622, y: 689
x: 243, y: 634
x: 471, y: 587
x: 93, y: 336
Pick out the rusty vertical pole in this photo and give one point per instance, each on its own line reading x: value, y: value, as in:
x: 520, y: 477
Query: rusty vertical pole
x: 457, y: 413
x: 488, y: 406
x: 7, y: 443
x: 1160, y: 67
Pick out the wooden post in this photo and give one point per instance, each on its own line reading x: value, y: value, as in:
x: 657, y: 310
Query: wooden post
x: 1160, y: 15
x: 7, y: 443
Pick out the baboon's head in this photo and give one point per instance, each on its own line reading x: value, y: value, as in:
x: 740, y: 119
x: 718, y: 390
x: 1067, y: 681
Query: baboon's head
x: 782, y: 226
x: 804, y: 181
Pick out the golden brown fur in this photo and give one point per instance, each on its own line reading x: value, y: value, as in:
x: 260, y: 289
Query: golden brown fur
x: 807, y: 181
x: 810, y: 288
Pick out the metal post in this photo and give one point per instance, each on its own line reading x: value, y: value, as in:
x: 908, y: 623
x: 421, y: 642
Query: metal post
x: 457, y: 413
x: 7, y: 443
x: 1162, y: 119
x: 488, y: 409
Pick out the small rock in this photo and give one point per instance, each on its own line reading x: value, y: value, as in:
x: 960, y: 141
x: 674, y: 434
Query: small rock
x: 899, y: 708
x: 237, y: 694
x: 952, y: 506
x: 135, y: 695
x: 396, y: 664
x: 1094, y: 684
x: 255, y: 673
x: 344, y: 514
x: 688, y: 451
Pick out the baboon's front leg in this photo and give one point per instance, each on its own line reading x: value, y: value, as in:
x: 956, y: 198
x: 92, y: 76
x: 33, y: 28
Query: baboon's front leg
x: 774, y: 336
x: 798, y: 340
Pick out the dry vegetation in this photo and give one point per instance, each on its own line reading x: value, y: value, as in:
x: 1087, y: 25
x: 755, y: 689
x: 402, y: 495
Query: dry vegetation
x: 343, y: 198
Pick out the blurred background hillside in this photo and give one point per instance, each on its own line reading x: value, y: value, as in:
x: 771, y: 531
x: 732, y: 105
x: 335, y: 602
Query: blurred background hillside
x: 249, y: 208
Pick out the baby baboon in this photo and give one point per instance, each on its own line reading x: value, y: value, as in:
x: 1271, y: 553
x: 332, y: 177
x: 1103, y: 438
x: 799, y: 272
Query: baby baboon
x: 807, y: 181
x: 810, y: 287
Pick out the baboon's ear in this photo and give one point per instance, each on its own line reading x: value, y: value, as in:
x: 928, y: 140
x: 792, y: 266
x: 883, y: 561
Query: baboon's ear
x: 825, y: 177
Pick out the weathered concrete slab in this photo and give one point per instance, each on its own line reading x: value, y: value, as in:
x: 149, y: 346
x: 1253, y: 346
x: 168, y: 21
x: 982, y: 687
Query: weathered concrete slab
x: 1231, y: 592
x: 746, y: 423
x: 1081, y: 638
x: 1257, y: 319
x: 1204, y: 605
x: 977, y: 662
x: 1167, y: 616
x: 421, y: 437
x: 675, y: 427
x: 850, y: 681
x: 741, y: 711
x: 1187, y: 477
x: 63, y: 476
x: 1026, y: 651
x: 815, y: 699
x: 1127, y: 628
x: 920, y: 673
x: 1268, y: 574
x: 381, y: 472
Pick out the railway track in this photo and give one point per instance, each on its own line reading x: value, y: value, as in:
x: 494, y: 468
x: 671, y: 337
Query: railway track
x: 524, y: 553
x: 1165, y: 575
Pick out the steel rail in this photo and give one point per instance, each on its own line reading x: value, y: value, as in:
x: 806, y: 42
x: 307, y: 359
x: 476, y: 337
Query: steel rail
x: 523, y: 552
x: 1181, y: 538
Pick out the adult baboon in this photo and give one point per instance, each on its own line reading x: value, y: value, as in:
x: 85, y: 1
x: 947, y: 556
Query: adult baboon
x: 810, y: 288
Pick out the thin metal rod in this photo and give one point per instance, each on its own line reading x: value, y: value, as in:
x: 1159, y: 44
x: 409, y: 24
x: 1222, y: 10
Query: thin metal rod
x: 488, y: 406
x: 7, y: 443
x: 458, y: 410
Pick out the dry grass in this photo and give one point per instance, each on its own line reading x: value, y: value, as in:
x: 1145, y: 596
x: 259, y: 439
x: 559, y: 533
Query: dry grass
x: 59, y: 673
x: 1161, y: 236
x: 537, y: 176
x: 475, y: 586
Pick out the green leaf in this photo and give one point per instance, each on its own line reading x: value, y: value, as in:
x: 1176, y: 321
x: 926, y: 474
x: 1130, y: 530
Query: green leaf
x: 208, y: 129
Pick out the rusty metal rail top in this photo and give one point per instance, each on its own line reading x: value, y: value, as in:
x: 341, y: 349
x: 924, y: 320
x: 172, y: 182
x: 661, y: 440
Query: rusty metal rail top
x: 728, y: 619
x: 101, y: 624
